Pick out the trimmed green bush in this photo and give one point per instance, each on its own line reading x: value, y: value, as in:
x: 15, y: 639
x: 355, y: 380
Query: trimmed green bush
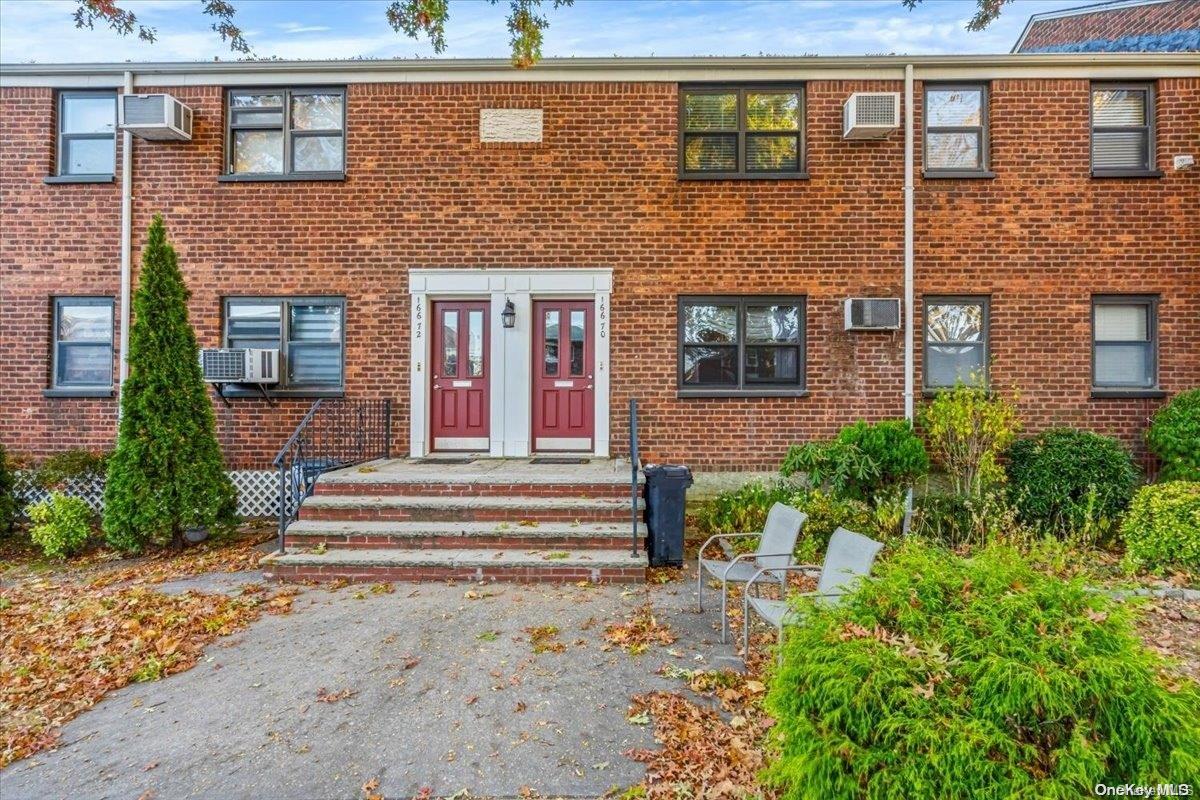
x: 826, y: 513
x: 166, y: 474
x: 744, y: 509
x: 1162, y: 528
x: 60, y: 524
x: 1174, y: 437
x: 1070, y: 482
x: 865, y: 461
x: 983, y: 678
x: 8, y: 499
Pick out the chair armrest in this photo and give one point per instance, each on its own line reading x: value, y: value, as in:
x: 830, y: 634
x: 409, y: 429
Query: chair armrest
x: 785, y: 568
x: 717, y: 536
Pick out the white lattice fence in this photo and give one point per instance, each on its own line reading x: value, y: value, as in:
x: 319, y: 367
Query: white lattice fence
x: 258, y: 492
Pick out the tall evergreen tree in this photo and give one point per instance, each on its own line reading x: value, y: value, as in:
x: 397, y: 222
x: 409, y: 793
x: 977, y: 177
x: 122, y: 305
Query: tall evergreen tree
x: 166, y: 474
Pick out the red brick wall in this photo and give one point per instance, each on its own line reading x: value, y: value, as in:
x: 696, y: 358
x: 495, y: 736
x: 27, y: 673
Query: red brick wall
x: 601, y: 190
x: 1177, y: 15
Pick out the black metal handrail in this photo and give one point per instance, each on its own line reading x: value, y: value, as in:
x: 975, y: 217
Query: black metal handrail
x: 635, y: 465
x: 335, y: 433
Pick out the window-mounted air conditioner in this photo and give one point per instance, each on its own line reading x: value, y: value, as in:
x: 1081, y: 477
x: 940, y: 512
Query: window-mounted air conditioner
x: 240, y: 365
x: 870, y: 115
x: 872, y: 313
x: 156, y: 116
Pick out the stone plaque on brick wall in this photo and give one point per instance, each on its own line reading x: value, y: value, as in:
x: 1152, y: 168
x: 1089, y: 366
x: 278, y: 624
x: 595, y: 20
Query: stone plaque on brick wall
x: 510, y: 124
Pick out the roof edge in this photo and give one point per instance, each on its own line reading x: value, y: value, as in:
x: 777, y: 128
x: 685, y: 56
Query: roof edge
x: 582, y: 65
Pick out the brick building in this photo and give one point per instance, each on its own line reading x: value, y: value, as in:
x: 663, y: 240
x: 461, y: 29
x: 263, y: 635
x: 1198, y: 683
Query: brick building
x: 1115, y: 27
x: 682, y: 231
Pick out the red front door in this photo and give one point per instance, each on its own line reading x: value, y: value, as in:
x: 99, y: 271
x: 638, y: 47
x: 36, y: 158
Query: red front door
x: 564, y: 404
x: 460, y: 408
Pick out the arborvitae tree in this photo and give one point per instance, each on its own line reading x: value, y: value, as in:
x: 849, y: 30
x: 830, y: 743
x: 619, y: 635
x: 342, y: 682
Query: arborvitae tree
x: 166, y: 474
x: 8, y: 500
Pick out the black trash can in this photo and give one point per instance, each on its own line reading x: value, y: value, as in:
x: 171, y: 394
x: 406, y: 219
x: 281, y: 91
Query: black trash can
x: 666, y: 496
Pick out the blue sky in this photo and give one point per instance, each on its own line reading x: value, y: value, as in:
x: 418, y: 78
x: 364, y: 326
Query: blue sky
x: 43, y: 31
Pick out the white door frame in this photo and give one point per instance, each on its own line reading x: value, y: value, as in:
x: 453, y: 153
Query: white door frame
x: 511, y: 351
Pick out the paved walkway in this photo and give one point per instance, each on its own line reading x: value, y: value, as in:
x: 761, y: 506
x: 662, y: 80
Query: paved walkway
x: 446, y: 693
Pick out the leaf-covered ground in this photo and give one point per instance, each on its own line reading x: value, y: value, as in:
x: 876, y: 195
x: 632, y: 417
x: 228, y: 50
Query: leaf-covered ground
x: 74, y: 632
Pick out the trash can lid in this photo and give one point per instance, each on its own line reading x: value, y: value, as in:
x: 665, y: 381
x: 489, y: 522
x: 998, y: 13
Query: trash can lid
x: 667, y: 470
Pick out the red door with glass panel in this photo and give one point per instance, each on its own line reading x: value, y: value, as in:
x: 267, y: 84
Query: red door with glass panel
x: 460, y: 373
x: 564, y: 405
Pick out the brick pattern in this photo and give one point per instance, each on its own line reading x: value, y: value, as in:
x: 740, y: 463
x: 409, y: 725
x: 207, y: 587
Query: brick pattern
x: 601, y: 190
x: 1178, y: 15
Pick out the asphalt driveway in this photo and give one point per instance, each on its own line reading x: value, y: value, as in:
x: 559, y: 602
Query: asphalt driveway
x: 431, y: 686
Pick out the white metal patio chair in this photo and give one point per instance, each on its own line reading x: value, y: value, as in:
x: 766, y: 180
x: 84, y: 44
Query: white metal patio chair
x: 849, y: 557
x: 776, y: 543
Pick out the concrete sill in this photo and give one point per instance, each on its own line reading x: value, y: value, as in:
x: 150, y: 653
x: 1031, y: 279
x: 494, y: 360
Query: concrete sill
x: 1126, y: 173
x: 81, y: 392
x: 938, y: 175
x: 744, y: 176
x: 282, y: 394
x: 55, y: 179
x: 1126, y: 394
x: 688, y: 394
x: 290, y: 178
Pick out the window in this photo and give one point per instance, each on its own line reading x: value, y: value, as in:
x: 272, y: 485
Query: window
x: 308, y: 332
x: 287, y: 132
x: 956, y: 341
x: 83, y: 344
x: 1124, y: 342
x: 1122, y: 130
x: 87, y: 143
x: 741, y: 132
x: 741, y: 345
x: 956, y: 130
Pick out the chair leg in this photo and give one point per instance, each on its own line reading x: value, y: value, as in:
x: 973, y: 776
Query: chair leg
x: 724, y: 614
x: 700, y: 583
x: 746, y: 629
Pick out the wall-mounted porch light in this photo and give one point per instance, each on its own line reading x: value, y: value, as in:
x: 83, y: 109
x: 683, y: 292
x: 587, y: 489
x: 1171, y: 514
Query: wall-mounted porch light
x: 509, y: 315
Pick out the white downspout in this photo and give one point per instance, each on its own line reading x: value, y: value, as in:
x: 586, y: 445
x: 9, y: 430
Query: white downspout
x: 126, y: 245
x: 909, y: 404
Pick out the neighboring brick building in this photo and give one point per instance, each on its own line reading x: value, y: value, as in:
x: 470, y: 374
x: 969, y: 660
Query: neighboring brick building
x: 715, y: 300
x: 1120, y: 26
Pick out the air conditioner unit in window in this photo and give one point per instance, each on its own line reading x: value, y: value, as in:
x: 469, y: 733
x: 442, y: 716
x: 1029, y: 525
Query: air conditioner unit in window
x: 156, y: 116
x: 240, y: 365
x: 872, y: 313
x: 870, y: 115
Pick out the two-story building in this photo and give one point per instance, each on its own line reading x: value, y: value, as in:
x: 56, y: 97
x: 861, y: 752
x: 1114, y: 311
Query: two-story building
x: 510, y: 255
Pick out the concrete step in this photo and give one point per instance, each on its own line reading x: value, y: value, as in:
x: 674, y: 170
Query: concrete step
x: 520, y: 566
x: 465, y: 509
x: 477, y: 487
x: 376, y: 534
